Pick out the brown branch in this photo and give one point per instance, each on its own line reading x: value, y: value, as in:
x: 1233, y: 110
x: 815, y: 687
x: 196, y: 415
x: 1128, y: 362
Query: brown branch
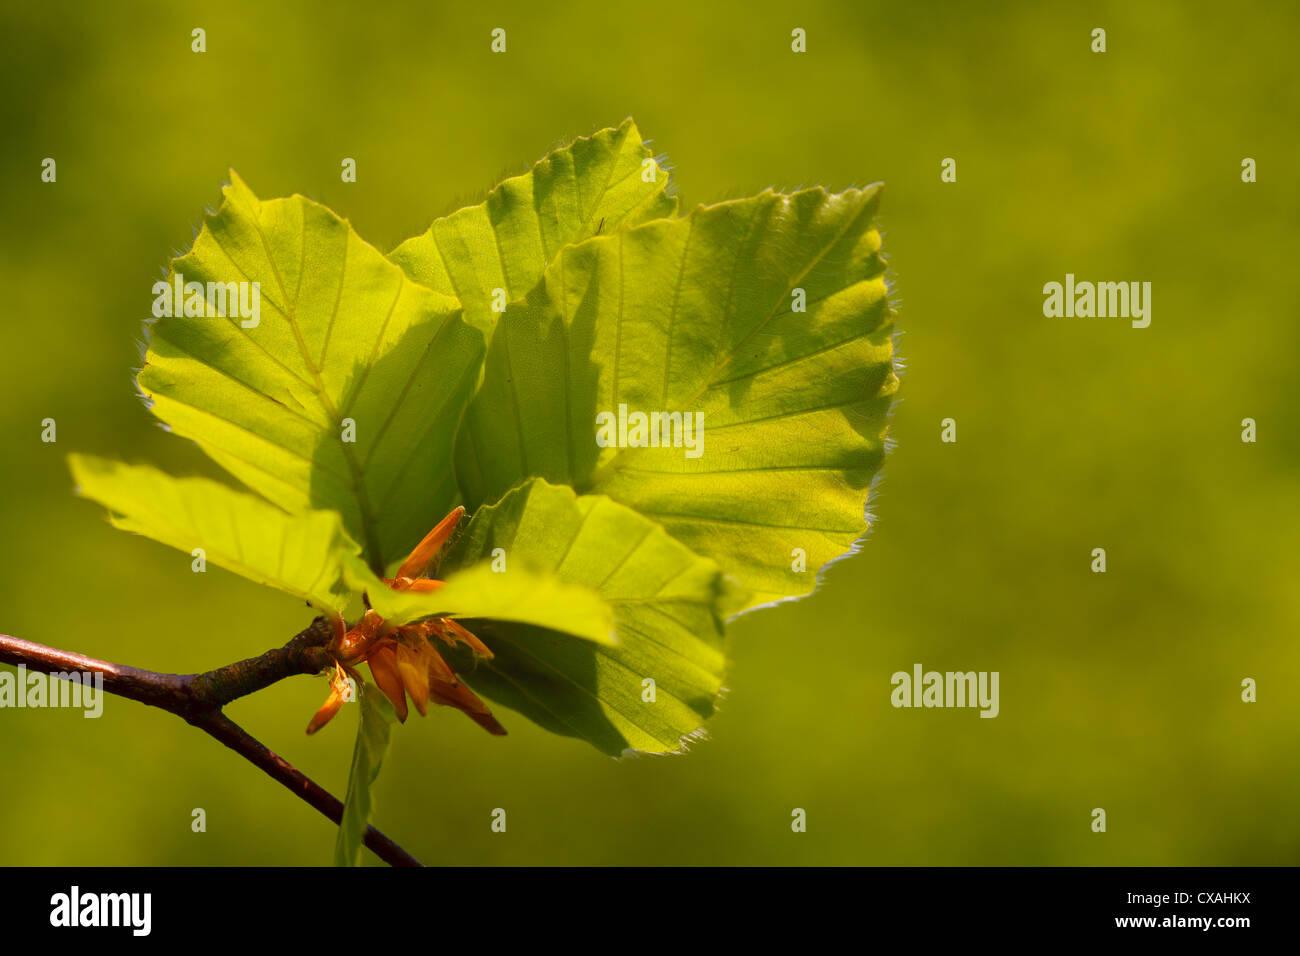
x: 198, y: 699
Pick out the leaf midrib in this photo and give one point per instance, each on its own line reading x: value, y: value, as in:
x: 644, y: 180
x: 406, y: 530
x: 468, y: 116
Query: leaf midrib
x: 369, y: 523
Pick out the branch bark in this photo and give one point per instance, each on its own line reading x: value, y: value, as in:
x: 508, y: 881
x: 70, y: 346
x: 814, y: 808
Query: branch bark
x: 198, y: 699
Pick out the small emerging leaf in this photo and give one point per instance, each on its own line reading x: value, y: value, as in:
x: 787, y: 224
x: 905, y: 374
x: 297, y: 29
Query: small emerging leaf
x: 367, y: 757
x: 518, y: 594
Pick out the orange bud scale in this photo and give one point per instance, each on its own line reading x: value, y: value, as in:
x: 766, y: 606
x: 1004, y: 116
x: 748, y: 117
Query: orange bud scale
x: 403, y: 658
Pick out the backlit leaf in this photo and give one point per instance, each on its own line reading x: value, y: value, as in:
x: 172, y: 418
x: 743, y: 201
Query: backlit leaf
x: 595, y: 183
x: 342, y: 337
x: 302, y: 554
x: 698, y: 316
x: 668, y: 604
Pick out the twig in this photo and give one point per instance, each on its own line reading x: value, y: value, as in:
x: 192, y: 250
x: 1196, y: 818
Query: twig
x: 198, y: 699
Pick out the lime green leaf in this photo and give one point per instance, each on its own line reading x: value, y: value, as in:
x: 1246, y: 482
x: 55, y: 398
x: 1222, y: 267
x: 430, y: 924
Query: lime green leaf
x: 377, y: 719
x: 342, y: 336
x: 515, y: 594
x: 593, y: 184
x: 302, y: 554
x: 668, y: 606
x: 701, y: 315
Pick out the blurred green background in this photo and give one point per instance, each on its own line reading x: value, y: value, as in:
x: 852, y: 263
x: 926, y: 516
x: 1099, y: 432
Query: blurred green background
x: 1119, y: 691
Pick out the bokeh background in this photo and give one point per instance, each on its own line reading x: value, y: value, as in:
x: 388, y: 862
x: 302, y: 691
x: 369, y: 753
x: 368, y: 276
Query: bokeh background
x: 1119, y: 691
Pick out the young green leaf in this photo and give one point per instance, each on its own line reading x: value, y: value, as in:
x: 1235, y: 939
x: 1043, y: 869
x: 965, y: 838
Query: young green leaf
x: 344, y: 394
x: 669, y: 606
x: 766, y: 319
x: 377, y: 719
x: 302, y: 554
x: 516, y: 594
x: 595, y: 184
